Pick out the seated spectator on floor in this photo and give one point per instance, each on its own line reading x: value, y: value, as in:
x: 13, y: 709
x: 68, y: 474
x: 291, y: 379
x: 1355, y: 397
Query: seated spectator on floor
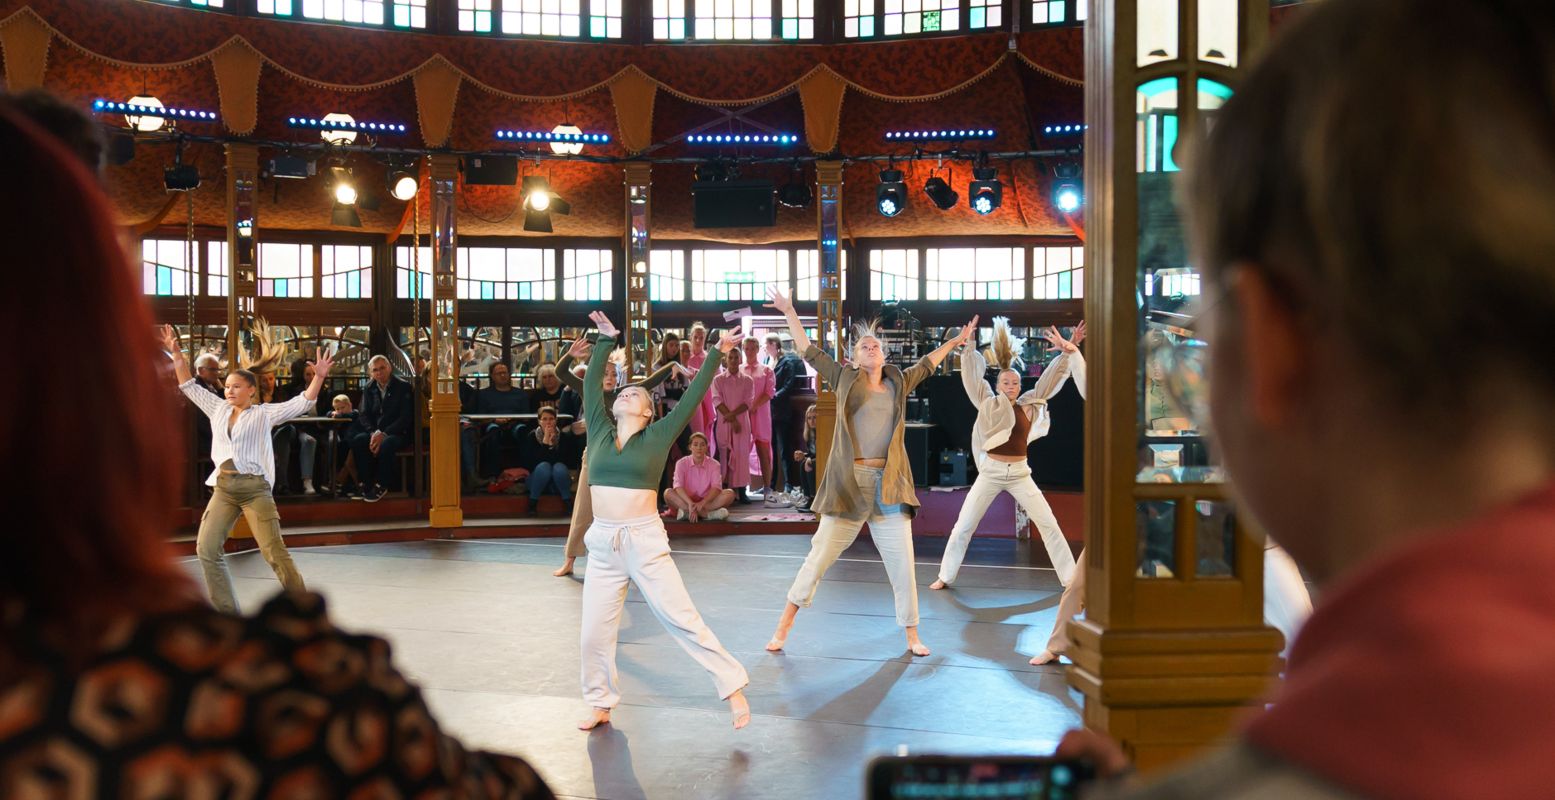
x: 545, y: 452
x: 116, y: 679
x: 549, y: 393
x: 805, y: 458
x: 207, y: 370
x: 303, y: 434
x: 698, y: 492
x: 1353, y: 218
x: 489, y: 436
x: 382, y: 429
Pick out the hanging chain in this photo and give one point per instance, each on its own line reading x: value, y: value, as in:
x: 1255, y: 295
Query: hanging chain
x: 190, y: 252
x: 415, y: 272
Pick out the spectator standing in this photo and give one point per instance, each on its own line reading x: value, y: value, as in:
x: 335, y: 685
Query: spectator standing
x: 791, y: 381
x: 765, y: 387
x: 732, y: 393
x: 382, y: 428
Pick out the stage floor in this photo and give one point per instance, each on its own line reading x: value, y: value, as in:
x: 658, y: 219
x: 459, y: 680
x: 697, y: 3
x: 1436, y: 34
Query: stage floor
x: 492, y: 638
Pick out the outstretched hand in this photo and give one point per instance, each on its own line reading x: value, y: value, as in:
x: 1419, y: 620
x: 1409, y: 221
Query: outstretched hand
x: 727, y: 339
x: 578, y: 348
x: 606, y: 327
x: 1058, y: 342
x: 1079, y: 333
x: 779, y: 301
x: 170, y: 341
x: 324, y: 359
x: 967, y: 332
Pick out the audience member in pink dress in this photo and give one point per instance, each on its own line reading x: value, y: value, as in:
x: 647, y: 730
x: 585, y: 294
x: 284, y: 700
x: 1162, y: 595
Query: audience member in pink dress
x: 761, y: 413
x: 702, y: 418
x: 698, y: 492
x: 732, y: 394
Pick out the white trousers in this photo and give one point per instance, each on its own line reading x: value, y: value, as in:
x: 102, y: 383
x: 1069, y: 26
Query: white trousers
x: 993, y: 477
x: 889, y: 528
x: 1286, y: 602
x: 638, y: 551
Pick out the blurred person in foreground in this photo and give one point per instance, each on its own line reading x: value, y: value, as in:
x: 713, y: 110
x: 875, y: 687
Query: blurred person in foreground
x: 115, y: 678
x: 1372, y: 204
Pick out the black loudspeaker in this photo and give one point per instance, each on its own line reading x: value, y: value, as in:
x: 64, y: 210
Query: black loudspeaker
x: 490, y: 170
x: 734, y: 204
x: 922, y: 457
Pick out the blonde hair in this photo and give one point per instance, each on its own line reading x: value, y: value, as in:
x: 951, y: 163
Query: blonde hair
x: 695, y: 435
x: 869, y: 329
x: 1004, y: 352
x: 338, y: 399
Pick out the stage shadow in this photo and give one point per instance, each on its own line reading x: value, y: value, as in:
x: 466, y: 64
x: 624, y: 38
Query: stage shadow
x: 610, y: 757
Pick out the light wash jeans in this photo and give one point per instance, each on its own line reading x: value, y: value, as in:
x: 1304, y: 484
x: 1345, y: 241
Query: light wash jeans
x: 889, y: 528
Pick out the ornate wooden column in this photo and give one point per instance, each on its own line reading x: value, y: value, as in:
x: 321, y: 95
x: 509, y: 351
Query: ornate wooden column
x: 639, y: 314
x: 444, y: 494
x: 1173, y: 647
x: 242, y: 242
x: 828, y: 311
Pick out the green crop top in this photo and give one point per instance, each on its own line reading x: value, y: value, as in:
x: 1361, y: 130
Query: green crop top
x: 640, y: 463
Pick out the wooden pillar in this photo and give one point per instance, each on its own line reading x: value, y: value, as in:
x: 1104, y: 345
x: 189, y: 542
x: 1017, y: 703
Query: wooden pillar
x: 639, y: 314
x: 828, y: 312
x: 1166, y: 662
x: 445, y: 511
x: 242, y: 242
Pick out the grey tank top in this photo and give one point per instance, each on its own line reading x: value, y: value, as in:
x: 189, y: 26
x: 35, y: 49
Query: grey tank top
x: 873, y: 423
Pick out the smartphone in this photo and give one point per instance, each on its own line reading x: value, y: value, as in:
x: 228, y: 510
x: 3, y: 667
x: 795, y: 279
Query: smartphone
x: 985, y: 778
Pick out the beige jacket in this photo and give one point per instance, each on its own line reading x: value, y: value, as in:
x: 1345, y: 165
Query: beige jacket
x: 836, y: 493
x: 995, y: 414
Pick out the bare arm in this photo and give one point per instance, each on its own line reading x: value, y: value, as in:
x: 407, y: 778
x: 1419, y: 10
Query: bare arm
x: 180, y: 362
x: 925, y: 367
x: 323, y: 360
x: 785, y: 306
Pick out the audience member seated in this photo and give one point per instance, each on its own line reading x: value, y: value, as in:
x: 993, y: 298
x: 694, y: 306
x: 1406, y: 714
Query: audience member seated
x: 698, y: 491
x: 304, y: 434
x: 345, y: 465
x: 501, y: 397
x: 116, y: 679
x: 1353, y: 218
x: 381, y: 429
x: 207, y: 370
x: 805, y: 459
x: 545, y: 452
x: 549, y: 393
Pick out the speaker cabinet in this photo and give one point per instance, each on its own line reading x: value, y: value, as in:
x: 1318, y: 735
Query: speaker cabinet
x: 734, y: 204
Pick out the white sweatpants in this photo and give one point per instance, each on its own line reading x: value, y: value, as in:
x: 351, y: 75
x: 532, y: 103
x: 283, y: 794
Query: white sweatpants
x: 889, y: 528
x: 993, y: 477
x: 638, y: 551
x: 1286, y: 602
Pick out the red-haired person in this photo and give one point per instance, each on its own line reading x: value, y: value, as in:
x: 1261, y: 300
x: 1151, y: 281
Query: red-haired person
x: 115, y: 678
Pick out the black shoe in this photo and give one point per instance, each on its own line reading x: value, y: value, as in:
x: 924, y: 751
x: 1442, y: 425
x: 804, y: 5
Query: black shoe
x: 373, y: 494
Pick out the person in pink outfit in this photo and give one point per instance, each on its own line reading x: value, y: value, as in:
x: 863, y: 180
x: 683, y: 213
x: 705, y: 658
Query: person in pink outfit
x: 732, y: 396
x: 761, y: 415
x: 698, y: 492
x: 702, y: 419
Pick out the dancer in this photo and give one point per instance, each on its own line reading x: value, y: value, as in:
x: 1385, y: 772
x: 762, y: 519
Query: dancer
x: 733, y: 392
x: 868, y: 478
x: 627, y: 543
x: 245, y: 469
x: 1008, y: 422
x: 1286, y: 601
x: 582, y: 505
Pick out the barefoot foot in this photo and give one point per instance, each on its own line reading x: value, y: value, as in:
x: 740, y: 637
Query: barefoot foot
x: 1044, y: 657
x: 779, y: 638
x: 739, y: 710
x: 565, y: 569
x: 601, y: 716
x: 918, y: 648
x: 939, y: 584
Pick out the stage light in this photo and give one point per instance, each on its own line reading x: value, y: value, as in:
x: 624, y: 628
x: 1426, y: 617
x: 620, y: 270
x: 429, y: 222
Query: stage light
x: 290, y: 166
x: 743, y: 139
x: 345, y: 216
x: 1063, y: 130
x: 715, y: 170
x: 796, y: 193
x: 145, y: 113
x: 938, y: 135
x: 940, y: 193
x: 181, y: 178
x: 891, y: 194
x: 1068, y: 187
x: 148, y: 122
x: 564, y: 148
x: 344, y: 191
x: 402, y: 184
x: 540, y: 203
x: 564, y: 133
x: 985, y: 193
x: 538, y: 200
x: 339, y: 129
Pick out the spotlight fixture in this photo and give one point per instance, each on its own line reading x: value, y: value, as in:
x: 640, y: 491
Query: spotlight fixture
x: 891, y: 194
x: 985, y: 193
x: 553, y: 136
x: 540, y: 203
x: 796, y: 193
x: 1068, y: 187
x: 402, y: 182
x: 940, y: 135
x: 940, y: 193
x: 292, y: 167
x: 1063, y: 130
x: 181, y: 177
x: 344, y: 191
x: 341, y: 129
x: 716, y: 170
x: 732, y: 139
x: 145, y: 113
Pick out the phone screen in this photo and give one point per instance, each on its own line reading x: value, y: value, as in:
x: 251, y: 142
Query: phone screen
x: 994, y: 778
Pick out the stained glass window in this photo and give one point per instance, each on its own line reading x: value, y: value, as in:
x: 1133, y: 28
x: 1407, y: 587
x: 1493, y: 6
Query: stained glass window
x: 669, y: 19
x: 920, y: 16
x: 362, y: 12
x: 858, y: 19
x: 404, y: 276
x: 1157, y: 31
x: 893, y: 275
x: 1058, y: 273
x: 285, y: 270
x: 1218, y: 31
x: 975, y: 273
x: 798, y: 19
x: 410, y: 13
x: 475, y: 16
x: 734, y: 19
x: 278, y: 7
x: 984, y: 14
x: 347, y: 271
x: 587, y: 274
x: 605, y: 19
x: 165, y: 267
x: 1050, y: 12
x: 216, y: 269
x: 742, y: 274
x: 667, y: 275
x: 542, y: 17
x: 505, y: 273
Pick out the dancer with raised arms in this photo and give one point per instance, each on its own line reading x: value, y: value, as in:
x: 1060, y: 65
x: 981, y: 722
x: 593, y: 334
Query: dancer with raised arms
x: 868, y: 478
x: 627, y: 543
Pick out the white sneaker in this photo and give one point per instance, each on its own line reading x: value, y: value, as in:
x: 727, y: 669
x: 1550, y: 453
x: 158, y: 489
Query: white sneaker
x: 779, y: 499
x: 718, y: 514
x: 307, y: 487
x: 680, y: 515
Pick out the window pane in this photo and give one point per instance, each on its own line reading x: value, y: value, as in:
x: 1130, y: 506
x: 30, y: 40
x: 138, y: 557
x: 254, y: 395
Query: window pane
x: 667, y: 275
x: 347, y: 271
x: 1157, y: 31
x: 1218, y: 31
x: 285, y: 270
x: 587, y: 274
x: 893, y: 275
x: 165, y: 267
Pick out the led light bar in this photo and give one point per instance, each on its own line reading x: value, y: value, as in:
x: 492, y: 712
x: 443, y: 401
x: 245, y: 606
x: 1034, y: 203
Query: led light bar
x: 1063, y: 130
x: 115, y: 107
x: 552, y: 136
x: 940, y: 135
x: 340, y: 125
x: 779, y: 139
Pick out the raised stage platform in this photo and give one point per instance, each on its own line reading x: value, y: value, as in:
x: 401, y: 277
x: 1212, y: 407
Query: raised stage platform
x: 492, y: 638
